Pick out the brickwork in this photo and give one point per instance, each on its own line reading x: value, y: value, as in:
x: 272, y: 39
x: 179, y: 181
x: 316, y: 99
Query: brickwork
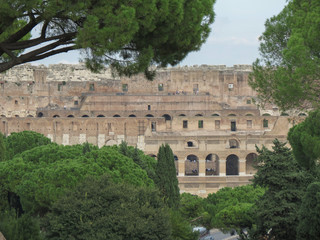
x: 205, y: 113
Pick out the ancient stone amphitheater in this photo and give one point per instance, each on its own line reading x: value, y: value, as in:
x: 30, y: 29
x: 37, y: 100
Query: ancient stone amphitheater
x: 205, y: 113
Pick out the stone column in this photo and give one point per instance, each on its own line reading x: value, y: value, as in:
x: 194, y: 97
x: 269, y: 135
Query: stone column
x: 222, y: 167
x: 202, y: 168
x: 242, y: 167
x: 181, y: 164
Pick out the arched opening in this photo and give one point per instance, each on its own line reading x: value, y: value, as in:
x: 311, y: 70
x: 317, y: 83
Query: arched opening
x: 56, y: 116
x: 167, y: 117
x: 215, y: 115
x: 16, y: 116
x: 190, y: 144
x: 85, y: 116
x: 100, y: 115
x: 199, y: 115
x: 40, y: 114
x: 266, y: 114
x: 152, y: 155
x: 176, y: 163
x: 233, y: 143
x: 251, y: 164
x: 232, y: 165
x: 70, y: 116
x: 212, y: 164
x: 29, y: 116
x: 302, y: 115
x: 284, y: 114
x: 149, y: 116
x: 132, y: 115
x: 182, y: 115
x: 249, y: 115
x: 192, y: 165
x: 3, y: 115
x: 116, y: 115
x: 232, y: 115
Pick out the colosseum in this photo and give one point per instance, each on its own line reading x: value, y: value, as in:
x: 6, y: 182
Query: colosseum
x: 207, y: 114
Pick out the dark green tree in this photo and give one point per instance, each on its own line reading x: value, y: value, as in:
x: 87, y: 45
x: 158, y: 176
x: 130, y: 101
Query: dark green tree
x: 166, y: 179
x: 2, y: 148
x: 288, y: 71
x: 181, y: 227
x: 127, y: 35
x: 309, y: 213
x: 285, y: 182
x: 98, y: 209
x: 305, y: 141
x: 19, y: 142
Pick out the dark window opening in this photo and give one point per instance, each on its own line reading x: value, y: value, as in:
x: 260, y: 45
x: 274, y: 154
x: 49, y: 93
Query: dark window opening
x: 15, y: 102
x: 265, y: 123
x: 200, y: 124
x: 76, y: 102
x: 149, y: 107
x: 91, y: 87
x: 248, y: 101
x: 167, y: 117
x: 185, y: 124
x: 59, y: 87
x: 125, y: 87
x: 233, y: 126
x: 160, y: 86
x: 190, y: 144
x: 153, y: 126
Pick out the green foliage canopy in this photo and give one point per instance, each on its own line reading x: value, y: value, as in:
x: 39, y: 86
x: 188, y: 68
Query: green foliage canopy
x: 40, y: 175
x: 288, y: 72
x: 127, y: 35
x: 100, y: 209
x: 276, y: 212
x: 305, y: 141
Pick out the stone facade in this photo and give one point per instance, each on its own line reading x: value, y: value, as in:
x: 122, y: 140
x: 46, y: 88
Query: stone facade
x: 206, y: 113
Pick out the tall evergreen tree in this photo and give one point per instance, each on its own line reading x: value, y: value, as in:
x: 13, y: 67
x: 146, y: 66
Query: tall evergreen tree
x: 2, y: 148
x: 166, y: 178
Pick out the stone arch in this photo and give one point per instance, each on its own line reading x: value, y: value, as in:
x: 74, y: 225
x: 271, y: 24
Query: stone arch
x: 101, y: 115
x: 149, y: 116
x: 40, y: 114
x: 302, y: 114
x: 233, y: 143
x: 167, y: 117
x: 249, y: 115
x: 56, y: 116
x: 199, y: 115
x: 70, y: 116
x: 132, y: 115
x: 250, y: 163
x: 212, y: 164
x: 85, y: 116
x: 29, y: 116
x: 232, y: 115
x: 116, y: 115
x: 182, y: 115
x: 232, y: 165
x: 266, y: 114
x: 192, y: 165
x: 16, y: 116
x: 215, y: 115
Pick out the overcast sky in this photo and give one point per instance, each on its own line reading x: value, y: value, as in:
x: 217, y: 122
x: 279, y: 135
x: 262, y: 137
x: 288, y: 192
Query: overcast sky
x: 233, y: 39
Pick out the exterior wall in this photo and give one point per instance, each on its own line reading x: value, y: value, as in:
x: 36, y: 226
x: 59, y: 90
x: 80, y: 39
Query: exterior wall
x: 205, y: 113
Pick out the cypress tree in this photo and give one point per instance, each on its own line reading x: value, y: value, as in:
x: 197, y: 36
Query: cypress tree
x: 166, y: 179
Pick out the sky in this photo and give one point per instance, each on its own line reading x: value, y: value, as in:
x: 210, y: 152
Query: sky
x: 233, y: 38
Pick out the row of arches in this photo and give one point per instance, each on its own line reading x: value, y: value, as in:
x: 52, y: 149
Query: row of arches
x: 212, y: 164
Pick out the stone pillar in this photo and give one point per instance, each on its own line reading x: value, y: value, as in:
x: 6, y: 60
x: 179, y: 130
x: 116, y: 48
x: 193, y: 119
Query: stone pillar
x: 222, y: 167
x: 141, y: 143
x: 242, y: 167
x: 202, y: 168
x: 181, y: 164
x: 101, y: 140
x: 65, y: 139
x: 82, y: 138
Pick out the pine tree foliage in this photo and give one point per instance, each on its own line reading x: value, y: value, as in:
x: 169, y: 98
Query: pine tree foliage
x: 166, y: 179
x: 285, y: 182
